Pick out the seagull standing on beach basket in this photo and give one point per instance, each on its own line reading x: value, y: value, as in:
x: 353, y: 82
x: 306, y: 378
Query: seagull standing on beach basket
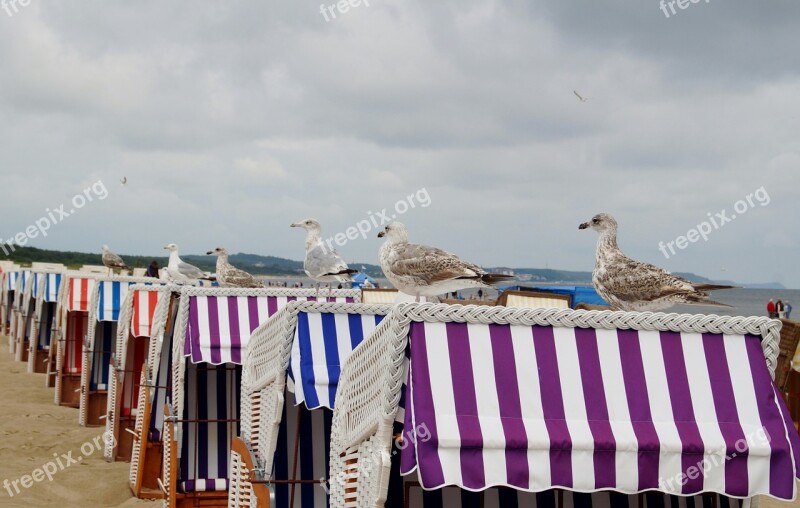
x: 111, y: 261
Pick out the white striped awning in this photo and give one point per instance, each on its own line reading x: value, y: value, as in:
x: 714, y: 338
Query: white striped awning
x: 219, y: 327
x: 51, y: 286
x: 80, y: 292
x: 541, y: 407
x: 111, y: 295
x: 144, y: 307
x: 322, y: 343
x: 10, y: 280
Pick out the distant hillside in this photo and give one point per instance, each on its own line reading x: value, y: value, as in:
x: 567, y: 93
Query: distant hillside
x: 275, y: 266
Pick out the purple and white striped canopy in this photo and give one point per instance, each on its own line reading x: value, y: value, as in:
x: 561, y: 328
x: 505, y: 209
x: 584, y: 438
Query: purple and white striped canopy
x: 538, y: 407
x: 219, y: 327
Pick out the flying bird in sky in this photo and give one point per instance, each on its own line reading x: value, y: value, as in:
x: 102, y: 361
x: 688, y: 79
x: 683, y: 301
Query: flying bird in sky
x: 580, y: 98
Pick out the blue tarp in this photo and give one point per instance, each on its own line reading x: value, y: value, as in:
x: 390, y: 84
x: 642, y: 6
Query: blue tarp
x: 579, y: 294
x: 360, y: 278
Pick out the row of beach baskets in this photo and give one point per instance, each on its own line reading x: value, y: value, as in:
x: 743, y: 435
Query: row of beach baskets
x: 284, y: 398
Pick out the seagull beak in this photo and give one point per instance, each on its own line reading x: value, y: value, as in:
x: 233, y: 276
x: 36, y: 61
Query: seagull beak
x: 294, y: 225
x: 166, y: 247
x: 209, y: 253
x: 584, y: 225
x: 381, y: 234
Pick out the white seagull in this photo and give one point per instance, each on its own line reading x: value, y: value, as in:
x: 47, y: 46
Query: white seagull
x: 631, y: 285
x: 322, y: 264
x: 228, y: 275
x: 420, y: 270
x: 180, y: 272
x: 111, y: 260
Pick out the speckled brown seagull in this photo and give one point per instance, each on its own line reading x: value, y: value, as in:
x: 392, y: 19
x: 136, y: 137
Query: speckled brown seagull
x: 111, y: 260
x: 631, y: 285
x: 228, y: 275
x: 419, y: 270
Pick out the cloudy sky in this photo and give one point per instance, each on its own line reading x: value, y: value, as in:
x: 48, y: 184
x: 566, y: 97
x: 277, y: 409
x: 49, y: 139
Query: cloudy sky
x: 232, y: 119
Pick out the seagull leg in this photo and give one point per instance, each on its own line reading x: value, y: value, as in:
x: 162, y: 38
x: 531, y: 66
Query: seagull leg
x: 317, y: 293
x: 417, y: 300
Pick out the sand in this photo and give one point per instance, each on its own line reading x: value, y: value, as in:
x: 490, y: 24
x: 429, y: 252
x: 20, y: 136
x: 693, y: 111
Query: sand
x: 33, y: 429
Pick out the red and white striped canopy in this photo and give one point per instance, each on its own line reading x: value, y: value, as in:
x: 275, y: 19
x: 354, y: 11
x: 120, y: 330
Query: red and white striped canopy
x: 80, y: 292
x: 144, y: 307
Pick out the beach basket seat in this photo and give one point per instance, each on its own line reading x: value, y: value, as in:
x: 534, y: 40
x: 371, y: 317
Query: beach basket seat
x: 541, y: 404
x: 210, y: 340
x: 380, y: 296
x: 100, y: 346
x: 787, y: 376
x: 74, y: 318
x: 24, y: 307
x: 282, y: 451
x: 44, y: 326
x: 533, y: 300
x: 8, y: 284
x: 144, y: 312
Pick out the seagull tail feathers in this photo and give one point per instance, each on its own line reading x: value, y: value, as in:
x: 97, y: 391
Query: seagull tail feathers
x: 713, y: 287
x: 704, y: 301
x: 495, y: 278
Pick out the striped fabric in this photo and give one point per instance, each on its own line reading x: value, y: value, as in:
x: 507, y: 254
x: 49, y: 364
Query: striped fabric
x: 52, y: 284
x: 11, y: 280
x: 588, y: 409
x: 38, y: 280
x: 322, y: 342
x: 162, y: 383
x: 220, y: 326
x: 205, y: 445
x: 111, y: 294
x: 48, y: 314
x: 312, y: 454
x: 73, y: 341
x: 80, y: 292
x: 104, y: 339
x: 144, y: 307
x: 453, y: 497
x: 26, y: 277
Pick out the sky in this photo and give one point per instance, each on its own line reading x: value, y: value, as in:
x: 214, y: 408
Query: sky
x: 231, y: 120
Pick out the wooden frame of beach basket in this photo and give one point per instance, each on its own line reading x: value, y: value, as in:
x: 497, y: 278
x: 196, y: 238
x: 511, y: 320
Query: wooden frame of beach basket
x: 44, y: 331
x: 263, y: 396
x: 206, y: 489
x: 147, y: 452
x: 98, y: 351
x: 372, y: 377
x: 74, y: 305
x: 144, y: 312
x: 533, y: 300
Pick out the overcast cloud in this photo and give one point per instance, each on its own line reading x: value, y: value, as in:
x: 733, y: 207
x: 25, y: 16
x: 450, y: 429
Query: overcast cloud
x: 233, y: 119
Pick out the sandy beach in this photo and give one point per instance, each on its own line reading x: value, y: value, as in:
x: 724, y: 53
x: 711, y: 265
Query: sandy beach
x: 35, y: 432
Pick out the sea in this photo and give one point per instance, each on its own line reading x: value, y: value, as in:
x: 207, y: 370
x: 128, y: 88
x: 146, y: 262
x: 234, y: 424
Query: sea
x: 742, y: 301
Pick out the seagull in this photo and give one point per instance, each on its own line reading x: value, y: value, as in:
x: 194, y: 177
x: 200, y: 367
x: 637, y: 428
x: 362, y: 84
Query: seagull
x: 123, y: 180
x: 322, y: 264
x: 180, y: 272
x: 631, y: 285
x: 111, y: 260
x: 228, y: 275
x: 419, y: 270
x: 582, y: 99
